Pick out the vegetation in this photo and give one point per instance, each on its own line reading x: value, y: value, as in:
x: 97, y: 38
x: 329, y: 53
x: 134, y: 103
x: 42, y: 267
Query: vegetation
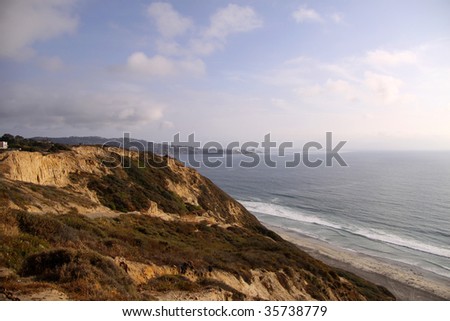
x: 21, y: 193
x: 83, y: 273
x: 30, y: 145
x: 132, y: 187
x: 74, y: 252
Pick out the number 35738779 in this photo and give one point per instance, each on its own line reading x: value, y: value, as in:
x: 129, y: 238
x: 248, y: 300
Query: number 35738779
x: 295, y: 311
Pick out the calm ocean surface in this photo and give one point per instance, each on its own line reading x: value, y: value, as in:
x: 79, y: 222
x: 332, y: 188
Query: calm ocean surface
x: 393, y: 205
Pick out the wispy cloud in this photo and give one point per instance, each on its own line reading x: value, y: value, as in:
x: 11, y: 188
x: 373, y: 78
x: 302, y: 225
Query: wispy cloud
x: 40, y: 20
x: 174, y: 57
x: 370, y: 79
x: 169, y: 22
x: 337, y: 17
x: 227, y: 21
x: 53, y: 63
x: 232, y: 19
x: 391, y: 58
x: 342, y: 88
x: 305, y: 14
x: 43, y: 106
x: 386, y: 87
x: 158, y: 65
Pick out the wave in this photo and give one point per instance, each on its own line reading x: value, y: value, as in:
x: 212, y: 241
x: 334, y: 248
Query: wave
x: 402, y: 241
x: 285, y: 212
x: 369, y: 233
x: 439, y: 266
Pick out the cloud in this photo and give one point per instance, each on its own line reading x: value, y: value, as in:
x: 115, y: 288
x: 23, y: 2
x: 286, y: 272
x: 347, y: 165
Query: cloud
x: 51, y: 63
x: 342, y: 88
x: 158, y: 65
x: 337, y: 17
x: 168, y: 21
x: 25, y: 22
x: 232, y: 19
x: 350, y: 81
x: 170, y: 47
x: 38, y: 107
x: 166, y: 124
x: 204, y: 47
x: 281, y: 104
x: 366, y: 80
x: 329, y: 91
x: 383, y: 86
x: 309, y: 91
x: 225, y: 21
x: 138, y: 62
x: 305, y: 14
x: 386, y: 58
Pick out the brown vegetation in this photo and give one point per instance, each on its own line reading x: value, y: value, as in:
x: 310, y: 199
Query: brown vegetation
x: 75, y: 253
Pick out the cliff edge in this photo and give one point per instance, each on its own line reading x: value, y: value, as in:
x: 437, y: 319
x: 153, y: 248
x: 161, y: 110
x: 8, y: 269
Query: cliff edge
x: 93, y: 223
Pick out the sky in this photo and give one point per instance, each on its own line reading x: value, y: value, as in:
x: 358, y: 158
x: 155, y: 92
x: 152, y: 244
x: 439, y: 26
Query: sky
x: 376, y: 74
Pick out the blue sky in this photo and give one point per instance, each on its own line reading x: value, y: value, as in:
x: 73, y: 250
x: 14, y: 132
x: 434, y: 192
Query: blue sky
x: 376, y: 74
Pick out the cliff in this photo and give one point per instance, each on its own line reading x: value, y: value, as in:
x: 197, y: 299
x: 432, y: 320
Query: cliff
x: 106, y: 224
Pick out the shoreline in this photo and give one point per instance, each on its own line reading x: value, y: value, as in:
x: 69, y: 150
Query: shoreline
x: 405, y: 282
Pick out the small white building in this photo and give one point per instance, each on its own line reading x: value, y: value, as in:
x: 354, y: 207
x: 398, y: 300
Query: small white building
x: 3, y: 145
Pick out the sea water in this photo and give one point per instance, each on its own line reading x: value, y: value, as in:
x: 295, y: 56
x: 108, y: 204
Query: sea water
x: 393, y: 205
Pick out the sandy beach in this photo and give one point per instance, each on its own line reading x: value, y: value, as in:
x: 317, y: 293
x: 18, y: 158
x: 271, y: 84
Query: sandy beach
x: 404, y: 281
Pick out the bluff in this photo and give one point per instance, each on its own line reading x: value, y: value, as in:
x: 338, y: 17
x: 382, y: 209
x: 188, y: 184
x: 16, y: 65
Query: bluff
x: 93, y: 223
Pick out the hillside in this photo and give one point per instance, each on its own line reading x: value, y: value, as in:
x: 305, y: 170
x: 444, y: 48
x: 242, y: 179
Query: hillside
x: 75, y: 224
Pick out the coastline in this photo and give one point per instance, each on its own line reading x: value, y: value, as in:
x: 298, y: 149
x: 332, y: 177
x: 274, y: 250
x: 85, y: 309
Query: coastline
x: 406, y: 282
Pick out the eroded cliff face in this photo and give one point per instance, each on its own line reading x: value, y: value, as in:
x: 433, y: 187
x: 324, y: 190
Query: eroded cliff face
x: 63, y: 182
x: 81, y: 224
x: 41, y: 183
x: 52, y: 169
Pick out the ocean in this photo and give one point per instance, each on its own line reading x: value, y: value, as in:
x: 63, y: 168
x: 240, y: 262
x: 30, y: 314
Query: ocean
x: 393, y: 205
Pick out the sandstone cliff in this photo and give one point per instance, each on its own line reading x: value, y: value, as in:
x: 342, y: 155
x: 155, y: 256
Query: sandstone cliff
x: 102, y: 223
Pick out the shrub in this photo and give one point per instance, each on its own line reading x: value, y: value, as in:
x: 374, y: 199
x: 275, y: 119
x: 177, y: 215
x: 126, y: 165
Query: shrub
x: 172, y: 283
x: 85, y: 274
x: 132, y: 188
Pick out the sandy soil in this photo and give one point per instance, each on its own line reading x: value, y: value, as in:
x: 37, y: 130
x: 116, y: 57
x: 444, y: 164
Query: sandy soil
x: 404, y: 281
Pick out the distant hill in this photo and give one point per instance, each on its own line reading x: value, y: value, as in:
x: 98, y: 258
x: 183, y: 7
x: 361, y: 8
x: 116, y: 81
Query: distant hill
x: 77, y: 140
x: 31, y: 145
x: 139, y: 144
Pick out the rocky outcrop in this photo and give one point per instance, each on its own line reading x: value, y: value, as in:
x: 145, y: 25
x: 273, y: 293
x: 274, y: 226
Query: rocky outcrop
x: 52, y: 169
x: 71, y: 174
x: 263, y: 285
